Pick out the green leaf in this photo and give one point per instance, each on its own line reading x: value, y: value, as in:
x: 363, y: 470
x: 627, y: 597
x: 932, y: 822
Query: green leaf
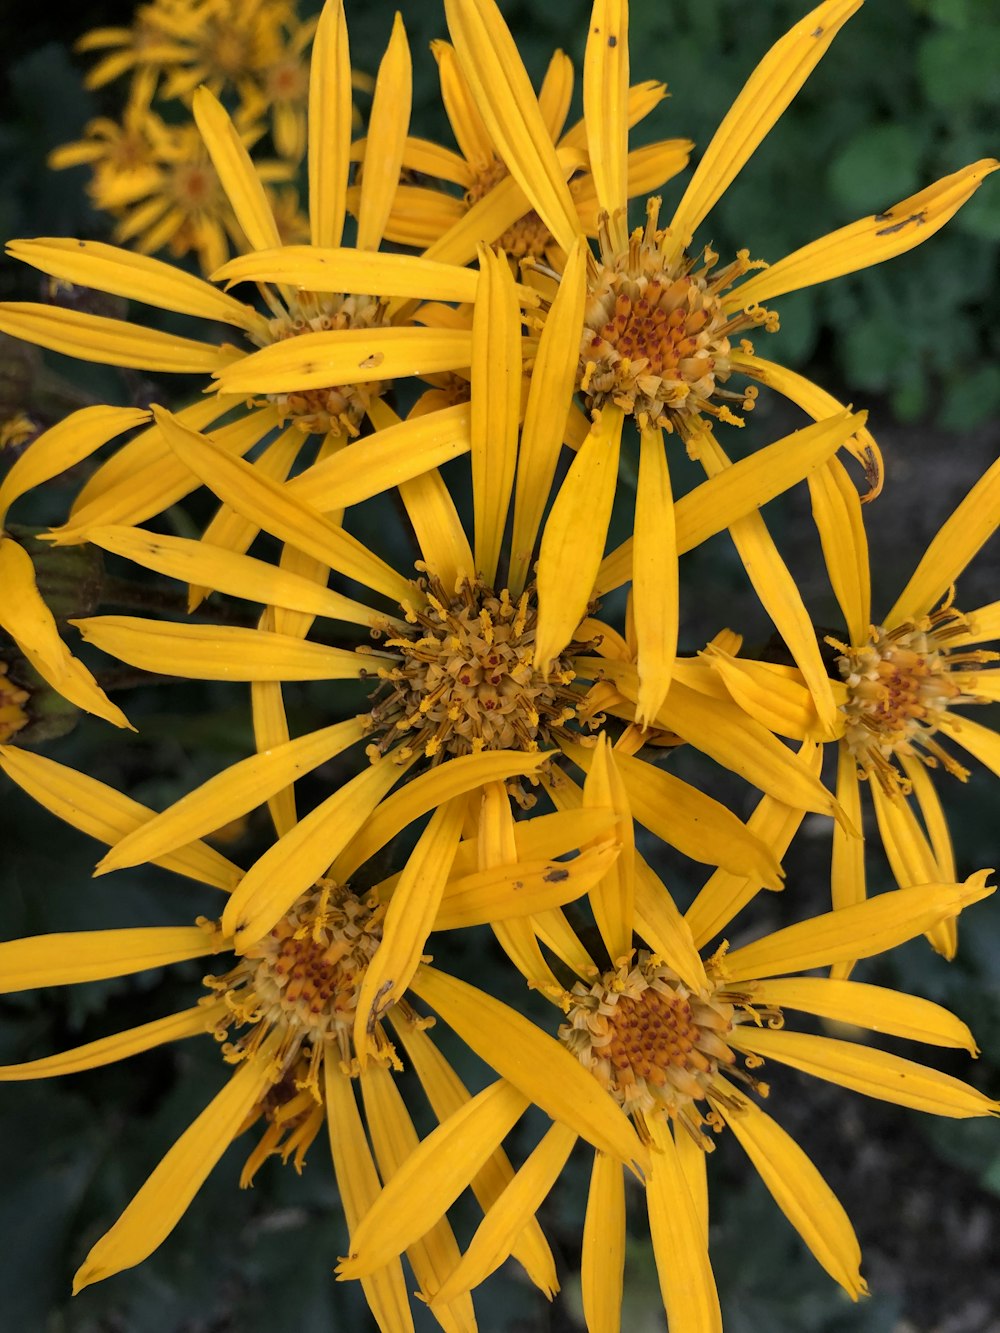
x: 877, y: 166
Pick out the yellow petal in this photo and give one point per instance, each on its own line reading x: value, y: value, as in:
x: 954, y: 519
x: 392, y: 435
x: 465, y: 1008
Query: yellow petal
x: 572, y: 550
x: 772, y: 694
x: 687, y: 1284
x: 349, y: 270
x: 875, y: 1073
x: 64, y: 445
x: 659, y: 922
x: 603, y: 1263
x: 655, y: 595
x: 847, y: 871
x: 692, y: 1159
x: 93, y: 955
x: 243, y: 187
x: 612, y: 900
x: 388, y: 123
x: 466, y: 123
x: 957, y: 541
x: 330, y: 113
x: 873, y: 1007
x: 433, y: 1177
x: 538, y: 1066
x: 430, y: 159
x: 799, y: 1191
x: 503, y: 95
x: 496, y: 400
x: 119, y: 1046
x: 983, y: 624
x: 294, y: 863
x: 482, y: 224
x: 911, y: 857
x: 836, y: 512
x: 163, y: 1199
x: 764, y: 97
x: 556, y: 94
x: 605, y: 104
x: 855, y: 932
x: 868, y: 241
x: 112, y: 342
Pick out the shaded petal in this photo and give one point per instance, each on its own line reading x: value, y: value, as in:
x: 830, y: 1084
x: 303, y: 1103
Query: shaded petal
x: 911, y: 857
x: 847, y: 870
x: 655, y: 593
x: 612, y: 899
x: 836, y: 512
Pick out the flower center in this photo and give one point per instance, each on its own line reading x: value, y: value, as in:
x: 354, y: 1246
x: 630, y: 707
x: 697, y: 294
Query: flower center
x: 12, y: 714
x: 529, y: 234
x: 466, y: 680
x: 196, y: 186
x: 901, y: 686
x: 656, y: 339
x: 338, y: 410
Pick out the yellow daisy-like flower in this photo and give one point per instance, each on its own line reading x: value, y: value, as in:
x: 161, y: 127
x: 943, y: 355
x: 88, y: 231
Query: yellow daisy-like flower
x: 419, y: 214
x: 286, y: 1016
x: 901, y: 681
x: 664, y: 1034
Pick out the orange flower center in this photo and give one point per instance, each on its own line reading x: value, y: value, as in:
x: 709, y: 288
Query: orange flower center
x: 12, y: 714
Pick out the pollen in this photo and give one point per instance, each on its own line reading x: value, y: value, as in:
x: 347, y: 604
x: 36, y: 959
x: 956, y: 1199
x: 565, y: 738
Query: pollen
x: 901, y: 687
x: 656, y: 338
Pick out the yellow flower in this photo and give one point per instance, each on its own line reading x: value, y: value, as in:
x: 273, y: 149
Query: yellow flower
x: 289, y: 1015
x: 664, y: 1034
x: 419, y: 215
x: 900, y: 681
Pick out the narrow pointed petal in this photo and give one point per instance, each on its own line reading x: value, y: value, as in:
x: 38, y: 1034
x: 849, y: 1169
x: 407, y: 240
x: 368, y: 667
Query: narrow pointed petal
x: 774, y: 695
x: 297, y: 861
x: 847, y: 870
x: 764, y: 97
x: 506, y: 102
x: 911, y: 857
x: 572, y: 548
x: 605, y: 106
x: 983, y: 742
x: 603, y: 1263
x: 540, y: 1067
x: 659, y: 922
x: 93, y: 955
x: 874, y: 1073
x: 162, y: 1201
x: 111, y: 342
x: 387, y: 126
x: 800, y: 1192
x: 692, y: 1160
x: 687, y: 1283
x: 868, y: 241
x: 556, y: 94
x: 959, y: 538
x: 836, y: 511
x: 358, y: 1184
x: 612, y: 900
x: 467, y: 126
x: 349, y: 270
x: 330, y: 113
x: 433, y: 1177
x: 983, y: 624
x: 496, y: 400
x: 855, y: 932
x: 655, y: 590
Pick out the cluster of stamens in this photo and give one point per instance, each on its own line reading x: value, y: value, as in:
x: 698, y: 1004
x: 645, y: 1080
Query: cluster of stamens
x: 338, y: 409
x: 467, y: 682
x: 12, y: 698
x: 657, y: 1045
x: 656, y: 339
x: 901, y: 686
x: 528, y: 236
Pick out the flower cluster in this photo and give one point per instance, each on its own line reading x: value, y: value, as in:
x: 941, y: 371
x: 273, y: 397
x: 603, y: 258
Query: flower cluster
x: 459, y: 725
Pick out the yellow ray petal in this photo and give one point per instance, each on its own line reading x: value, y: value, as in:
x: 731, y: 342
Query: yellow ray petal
x: 799, y: 1191
x: 499, y: 1230
x: 269, y: 504
x: 836, y: 512
x: 655, y: 595
x: 348, y: 270
x: 359, y: 1187
x: 911, y: 857
x: 543, y: 1070
x: 692, y: 1159
x: 409, y: 919
x: 764, y: 97
x: 603, y: 1263
x: 612, y: 900
x: 163, y: 1199
x: 572, y: 550
x: 868, y: 241
x: 496, y: 400
x: 873, y: 1007
x: 63, y: 445
x: 466, y: 123
x: 506, y: 102
x: 847, y: 869
x: 343, y: 356
x: 772, y: 694
x: 659, y: 922
x: 983, y: 624
x: 549, y: 394
x: 642, y: 99
x: 556, y: 94
x: 108, y: 1050
x: 105, y: 814
x: 957, y: 541
x: 433, y: 1177
x: 776, y: 589
x: 420, y: 217
x: 605, y: 105
x: 295, y: 862
x: 113, y: 342
x: 875, y: 1073
x: 330, y: 113
x: 428, y: 158
x: 93, y: 955
x: 482, y: 224
x: 232, y: 793
x: 30, y: 623
x: 983, y: 742
x: 387, y: 126
x: 217, y: 652
x: 109, y: 268
x: 687, y: 1284
x: 855, y: 932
